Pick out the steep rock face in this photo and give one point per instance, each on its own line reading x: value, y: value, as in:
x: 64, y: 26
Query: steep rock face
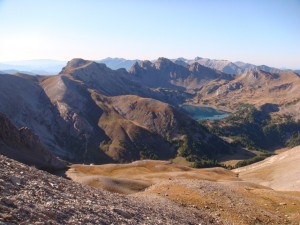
x: 80, y: 114
x: 26, y: 105
x: 161, y: 73
x: 25, y: 146
x: 164, y: 73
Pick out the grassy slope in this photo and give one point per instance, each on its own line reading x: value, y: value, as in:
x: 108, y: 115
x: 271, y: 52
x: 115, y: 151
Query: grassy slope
x: 280, y: 172
x: 216, y: 191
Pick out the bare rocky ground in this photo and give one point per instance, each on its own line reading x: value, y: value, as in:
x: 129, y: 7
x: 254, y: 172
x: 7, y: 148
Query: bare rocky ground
x: 31, y: 196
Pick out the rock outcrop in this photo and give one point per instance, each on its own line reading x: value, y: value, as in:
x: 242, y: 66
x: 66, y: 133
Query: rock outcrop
x: 24, y: 146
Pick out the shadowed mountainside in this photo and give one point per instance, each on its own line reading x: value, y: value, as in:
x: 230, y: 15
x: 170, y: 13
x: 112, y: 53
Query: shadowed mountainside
x: 26, y: 147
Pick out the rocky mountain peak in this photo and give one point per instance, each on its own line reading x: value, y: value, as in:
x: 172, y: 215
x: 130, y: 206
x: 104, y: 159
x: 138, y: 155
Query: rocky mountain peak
x: 144, y: 64
x: 80, y: 64
x: 77, y: 62
x: 141, y: 65
x: 163, y: 62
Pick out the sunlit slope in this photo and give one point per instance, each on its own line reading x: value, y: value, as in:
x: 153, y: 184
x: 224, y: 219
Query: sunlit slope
x: 280, y: 172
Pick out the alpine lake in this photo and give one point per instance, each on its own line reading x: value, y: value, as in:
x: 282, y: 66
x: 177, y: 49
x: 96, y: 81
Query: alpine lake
x: 204, y: 113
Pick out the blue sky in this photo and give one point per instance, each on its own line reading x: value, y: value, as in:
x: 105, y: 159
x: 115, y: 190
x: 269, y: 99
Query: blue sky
x: 255, y: 31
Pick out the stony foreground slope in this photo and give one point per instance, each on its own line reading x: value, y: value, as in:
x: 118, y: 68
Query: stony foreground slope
x: 280, y: 172
x: 31, y: 196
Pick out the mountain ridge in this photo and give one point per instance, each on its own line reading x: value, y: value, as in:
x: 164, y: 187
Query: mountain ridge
x: 95, y: 114
x: 41, y: 66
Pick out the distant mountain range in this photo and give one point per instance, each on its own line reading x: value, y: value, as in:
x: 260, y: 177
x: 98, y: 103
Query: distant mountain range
x: 117, y: 63
x: 228, y: 66
x: 39, y: 66
x: 224, y: 66
x: 52, y: 67
x: 221, y: 65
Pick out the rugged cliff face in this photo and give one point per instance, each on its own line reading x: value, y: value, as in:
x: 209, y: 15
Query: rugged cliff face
x: 164, y: 73
x: 24, y: 146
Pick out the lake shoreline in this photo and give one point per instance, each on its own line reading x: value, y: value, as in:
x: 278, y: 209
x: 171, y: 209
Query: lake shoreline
x: 200, y: 112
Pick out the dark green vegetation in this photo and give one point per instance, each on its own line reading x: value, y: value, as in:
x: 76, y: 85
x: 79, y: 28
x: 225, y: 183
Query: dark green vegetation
x: 199, y: 151
x: 256, y: 129
x: 253, y: 160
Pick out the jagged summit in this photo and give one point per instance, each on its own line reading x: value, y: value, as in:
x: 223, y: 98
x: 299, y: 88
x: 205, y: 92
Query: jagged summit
x: 164, y: 73
x: 161, y: 61
x: 164, y: 64
x: 145, y: 64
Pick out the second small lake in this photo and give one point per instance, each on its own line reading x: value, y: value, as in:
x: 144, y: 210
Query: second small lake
x: 204, y: 113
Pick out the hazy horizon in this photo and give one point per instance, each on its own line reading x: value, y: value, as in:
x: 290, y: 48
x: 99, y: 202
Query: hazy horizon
x: 257, y: 32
